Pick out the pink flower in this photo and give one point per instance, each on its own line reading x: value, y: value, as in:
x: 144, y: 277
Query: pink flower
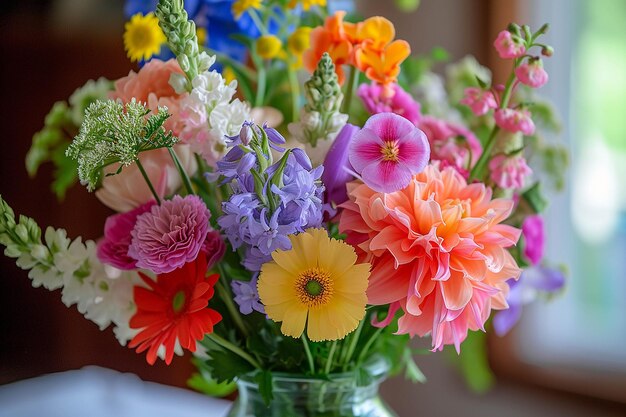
x: 170, y: 235
x: 151, y: 86
x: 388, y: 151
x: 376, y: 101
x: 451, y: 144
x: 532, y: 73
x: 515, y: 121
x: 479, y: 100
x: 534, y: 238
x: 508, y: 45
x: 509, y: 172
x: 128, y: 189
x: 113, y: 247
x: 437, y: 250
x: 214, y: 248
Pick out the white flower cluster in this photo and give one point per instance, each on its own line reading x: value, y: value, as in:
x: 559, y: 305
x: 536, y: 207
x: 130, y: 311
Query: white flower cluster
x: 209, y: 111
x: 103, y: 294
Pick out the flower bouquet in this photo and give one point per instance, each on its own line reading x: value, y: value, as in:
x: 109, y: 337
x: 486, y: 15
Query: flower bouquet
x: 296, y: 236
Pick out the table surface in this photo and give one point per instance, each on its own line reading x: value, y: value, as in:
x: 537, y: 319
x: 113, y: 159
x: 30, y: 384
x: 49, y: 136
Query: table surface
x: 100, y: 392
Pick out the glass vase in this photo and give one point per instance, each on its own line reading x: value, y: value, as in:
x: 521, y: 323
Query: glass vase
x: 341, y: 395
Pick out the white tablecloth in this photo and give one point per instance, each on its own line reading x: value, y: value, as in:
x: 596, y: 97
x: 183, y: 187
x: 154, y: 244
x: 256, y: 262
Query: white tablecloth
x: 99, y: 392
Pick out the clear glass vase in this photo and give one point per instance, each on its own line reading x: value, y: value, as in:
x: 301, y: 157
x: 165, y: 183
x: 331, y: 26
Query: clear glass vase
x: 342, y: 395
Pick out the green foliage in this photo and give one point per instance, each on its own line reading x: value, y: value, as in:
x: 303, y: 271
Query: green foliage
x: 412, y: 372
x: 535, y: 199
x: 203, y: 382
x: 225, y: 366
x: 473, y: 363
x: 116, y: 133
x: 264, y: 379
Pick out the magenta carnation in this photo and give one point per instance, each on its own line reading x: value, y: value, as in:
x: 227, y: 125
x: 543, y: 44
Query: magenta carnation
x: 401, y: 103
x: 170, y: 235
x: 534, y: 238
x: 113, y: 247
x: 214, y: 248
x: 388, y: 151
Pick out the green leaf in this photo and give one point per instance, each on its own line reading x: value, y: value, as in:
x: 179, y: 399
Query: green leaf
x: 412, y: 372
x: 535, y: 199
x: 211, y: 387
x: 226, y: 366
x: 473, y: 362
x: 264, y: 379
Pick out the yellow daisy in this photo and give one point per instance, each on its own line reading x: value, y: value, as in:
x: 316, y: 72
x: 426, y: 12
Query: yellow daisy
x: 143, y: 37
x: 240, y: 6
x: 307, y: 4
x: 268, y: 46
x: 316, y: 284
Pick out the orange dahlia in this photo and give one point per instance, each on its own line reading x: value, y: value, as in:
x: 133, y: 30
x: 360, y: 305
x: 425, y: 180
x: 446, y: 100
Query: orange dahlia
x: 438, y: 252
x: 174, y: 309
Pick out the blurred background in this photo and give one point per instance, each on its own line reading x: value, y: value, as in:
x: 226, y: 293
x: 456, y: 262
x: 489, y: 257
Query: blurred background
x: 566, y: 357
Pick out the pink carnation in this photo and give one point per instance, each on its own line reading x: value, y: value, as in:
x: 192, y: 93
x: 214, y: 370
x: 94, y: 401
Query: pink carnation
x: 451, y: 144
x: 532, y: 73
x: 509, y: 46
x: 515, y: 121
x: 170, y: 235
x: 437, y: 250
x: 534, y: 238
x: 388, y: 151
x: 400, y: 102
x: 113, y: 248
x: 479, y: 100
x: 214, y: 248
x: 509, y: 172
x: 151, y: 86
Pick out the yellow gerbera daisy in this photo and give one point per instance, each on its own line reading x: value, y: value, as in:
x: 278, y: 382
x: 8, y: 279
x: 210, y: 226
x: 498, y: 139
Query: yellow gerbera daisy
x: 143, y: 37
x: 240, y: 6
x: 317, y: 284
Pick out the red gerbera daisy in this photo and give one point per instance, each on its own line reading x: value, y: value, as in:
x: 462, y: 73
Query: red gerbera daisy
x: 174, y: 307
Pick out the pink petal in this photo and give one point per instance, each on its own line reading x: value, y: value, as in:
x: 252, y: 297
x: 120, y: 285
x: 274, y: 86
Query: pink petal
x: 386, y: 176
x: 414, y: 150
x: 365, y: 149
x: 389, y: 126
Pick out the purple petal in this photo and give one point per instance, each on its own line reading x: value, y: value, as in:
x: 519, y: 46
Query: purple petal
x: 274, y: 136
x: 504, y: 320
x: 302, y: 158
x: 543, y: 279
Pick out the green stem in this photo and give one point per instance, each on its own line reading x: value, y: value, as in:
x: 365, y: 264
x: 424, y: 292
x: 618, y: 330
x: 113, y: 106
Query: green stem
x: 145, y: 177
x: 477, y: 171
x: 331, y: 354
x: 181, y: 170
x: 295, y: 94
x: 227, y: 297
x: 307, y: 350
x: 261, y: 76
x: 368, y: 345
x: 235, y: 349
x: 353, y: 342
x: 257, y: 21
x: 350, y: 87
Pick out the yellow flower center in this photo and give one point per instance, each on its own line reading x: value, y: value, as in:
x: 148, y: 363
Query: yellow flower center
x: 141, y: 37
x: 314, y: 287
x: 390, y: 151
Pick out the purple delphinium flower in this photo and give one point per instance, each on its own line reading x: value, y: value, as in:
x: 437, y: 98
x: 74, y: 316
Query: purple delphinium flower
x: 534, y: 238
x: 247, y: 296
x: 267, y: 204
x: 533, y: 281
x: 339, y: 171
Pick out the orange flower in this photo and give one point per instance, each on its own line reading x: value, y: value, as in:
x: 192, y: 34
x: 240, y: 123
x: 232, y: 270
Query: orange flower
x: 174, y: 309
x: 335, y: 37
x: 382, y: 65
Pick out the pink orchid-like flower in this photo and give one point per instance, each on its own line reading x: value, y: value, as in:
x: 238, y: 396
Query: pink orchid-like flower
x: 514, y: 121
x: 509, y: 46
x: 400, y: 102
x: 388, y: 151
x: 534, y: 238
x: 532, y: 73
x: 479, y: 100
x: 509, y: 172
x: 170, y: 235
